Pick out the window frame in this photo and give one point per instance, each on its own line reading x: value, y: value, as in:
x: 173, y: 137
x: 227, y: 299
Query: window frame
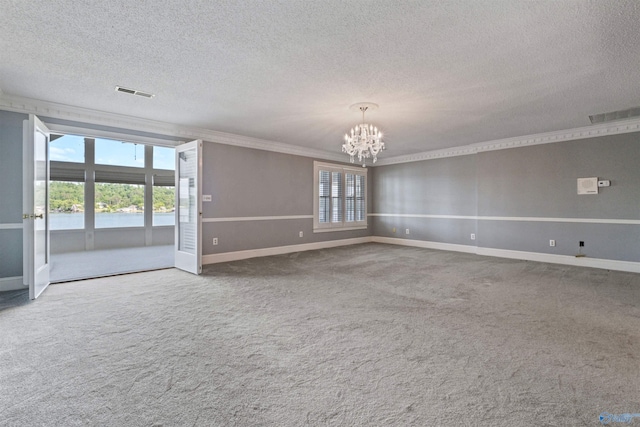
x: 343, y: 225
x: 145, y: 175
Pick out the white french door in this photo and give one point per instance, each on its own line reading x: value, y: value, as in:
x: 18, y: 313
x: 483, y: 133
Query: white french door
x: 188, y: 237
x: 35, y: 218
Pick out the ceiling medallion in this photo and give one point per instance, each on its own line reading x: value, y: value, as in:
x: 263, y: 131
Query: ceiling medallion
x: 365, y: 139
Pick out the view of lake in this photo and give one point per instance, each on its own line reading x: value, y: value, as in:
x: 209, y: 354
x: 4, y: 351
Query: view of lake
x: 74, y: 221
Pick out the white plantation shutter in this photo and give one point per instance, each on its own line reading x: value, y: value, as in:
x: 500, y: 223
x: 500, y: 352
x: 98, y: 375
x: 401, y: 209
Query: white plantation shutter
x: 336, y: 197
x: 188, y: 200
x: 360, y: 202
x: 324, y: 194
x: 350, y: 197
x: 339, y: 197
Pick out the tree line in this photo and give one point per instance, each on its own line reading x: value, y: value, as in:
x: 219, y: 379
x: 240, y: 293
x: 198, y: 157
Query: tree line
x: 69, y: 197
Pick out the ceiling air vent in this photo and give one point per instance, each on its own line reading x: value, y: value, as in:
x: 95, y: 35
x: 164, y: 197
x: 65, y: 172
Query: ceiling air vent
x: 134, y: 92
x: 615, y: 115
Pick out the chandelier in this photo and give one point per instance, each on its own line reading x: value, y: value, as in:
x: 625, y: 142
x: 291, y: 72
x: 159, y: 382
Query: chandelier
x: 365, y: 140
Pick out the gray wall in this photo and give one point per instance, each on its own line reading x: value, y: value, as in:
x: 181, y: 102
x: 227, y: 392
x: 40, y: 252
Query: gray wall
x: 540, y: 181
x: 251, y: 183
x: 437, y: 187
x: 243, y: 183
x: 537, y: 181
x: 10, y: 193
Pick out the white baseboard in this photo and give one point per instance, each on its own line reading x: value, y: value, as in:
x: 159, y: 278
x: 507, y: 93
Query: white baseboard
x: 607, y: 264
x: 279, y: 250
x: 11, y: 284
x: 425, y: 244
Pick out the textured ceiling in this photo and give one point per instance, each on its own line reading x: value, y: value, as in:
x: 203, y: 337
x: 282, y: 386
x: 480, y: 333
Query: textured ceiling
x: 445, y: 73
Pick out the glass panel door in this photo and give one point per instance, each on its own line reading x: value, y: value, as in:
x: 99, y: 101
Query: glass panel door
x: 36, y: 207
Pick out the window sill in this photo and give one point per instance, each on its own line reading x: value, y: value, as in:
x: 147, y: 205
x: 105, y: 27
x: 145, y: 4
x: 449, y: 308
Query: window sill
x: 329, y: 229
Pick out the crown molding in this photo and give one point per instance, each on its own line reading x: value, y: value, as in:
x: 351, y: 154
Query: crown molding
x: 593, y: 131
x: 185, y: 133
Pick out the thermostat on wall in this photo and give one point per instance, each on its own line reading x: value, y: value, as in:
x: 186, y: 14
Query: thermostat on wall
x: 588, y: 185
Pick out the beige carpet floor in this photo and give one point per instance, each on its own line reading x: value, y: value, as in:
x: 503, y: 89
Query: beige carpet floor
x: 367, y: 335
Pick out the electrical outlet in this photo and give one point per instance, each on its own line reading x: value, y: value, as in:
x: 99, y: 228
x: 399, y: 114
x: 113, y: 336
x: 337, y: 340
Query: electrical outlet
x: 552, y: 243
x: 300, y: 234
x: 215, y: 241
x: 473, y: 236
x: 406, y: 231
x: 393, y: 230
x: 581, y: 244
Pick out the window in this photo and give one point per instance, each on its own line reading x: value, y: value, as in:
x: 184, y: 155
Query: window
x: 119, y: 196
x: 66, y: 185
x: 119, y: 205
x: 164, y: 190
x: 119, y: 180
x: 164, y: 198
x: 164, y: 158
x: 66, y: 205
x: 110, y: 152
x: 339, y: 197
x: 66, y: 148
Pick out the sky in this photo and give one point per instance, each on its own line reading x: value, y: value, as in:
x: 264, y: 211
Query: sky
x: 70, y: 148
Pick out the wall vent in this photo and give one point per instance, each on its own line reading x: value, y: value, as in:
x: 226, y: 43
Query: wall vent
x: 615, y: 115
x: 134, y: 92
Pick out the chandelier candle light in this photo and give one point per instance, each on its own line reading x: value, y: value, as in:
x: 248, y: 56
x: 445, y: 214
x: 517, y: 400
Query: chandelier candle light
x: 365, y: 140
